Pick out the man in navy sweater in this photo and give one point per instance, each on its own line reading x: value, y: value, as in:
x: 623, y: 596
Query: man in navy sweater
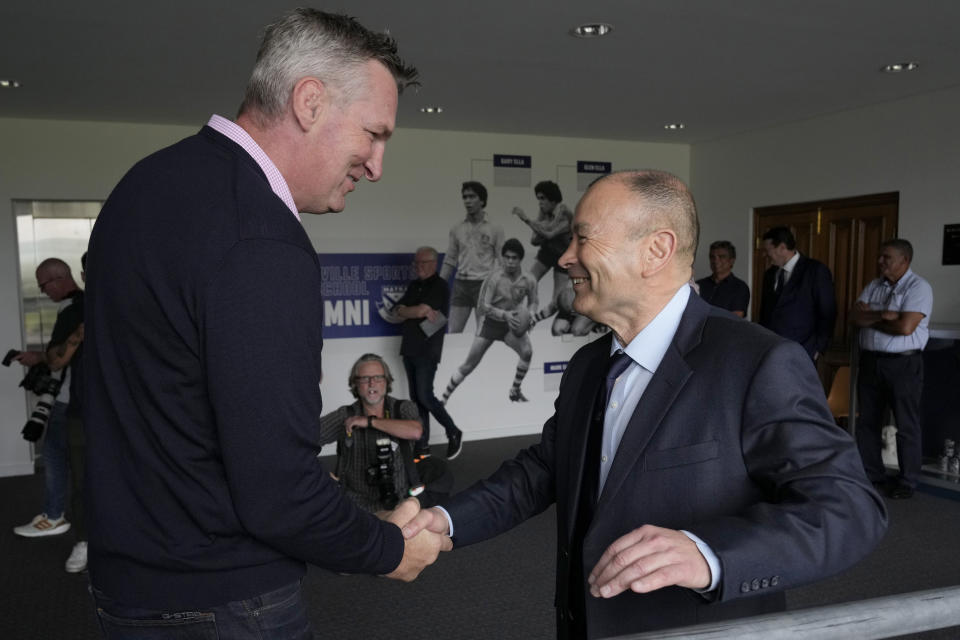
x: 203, y: 330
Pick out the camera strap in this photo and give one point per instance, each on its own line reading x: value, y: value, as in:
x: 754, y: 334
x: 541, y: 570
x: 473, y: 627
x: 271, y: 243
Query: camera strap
x: 406, y: 454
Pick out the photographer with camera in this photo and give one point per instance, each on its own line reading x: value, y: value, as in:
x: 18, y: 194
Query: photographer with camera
x: 374, y: 437
x: 63, y: 447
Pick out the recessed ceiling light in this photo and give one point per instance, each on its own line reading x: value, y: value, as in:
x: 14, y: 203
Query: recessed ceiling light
x: 899, y: 67
x: 673, y: 126
x: 591, y: 30
x: 431, y: 109
x: 9, y: 84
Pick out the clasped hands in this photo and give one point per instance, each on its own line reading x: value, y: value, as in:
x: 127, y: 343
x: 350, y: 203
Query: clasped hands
x: 644, y: 560
x: 421, y: 546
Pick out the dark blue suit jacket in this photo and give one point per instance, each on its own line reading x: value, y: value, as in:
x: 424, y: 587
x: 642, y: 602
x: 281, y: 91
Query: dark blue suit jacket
x: 732, y: 440
x: 203, y: 342
x: 806, y: 309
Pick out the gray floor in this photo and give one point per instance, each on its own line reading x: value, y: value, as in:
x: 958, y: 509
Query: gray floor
x: 499, y: 589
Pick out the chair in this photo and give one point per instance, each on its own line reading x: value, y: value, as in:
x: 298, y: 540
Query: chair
x: 839, y: 398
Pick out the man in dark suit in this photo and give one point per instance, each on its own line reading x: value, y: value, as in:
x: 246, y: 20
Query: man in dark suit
x: 699, y: 478
x: 202, y: 359
x: 797, y: 301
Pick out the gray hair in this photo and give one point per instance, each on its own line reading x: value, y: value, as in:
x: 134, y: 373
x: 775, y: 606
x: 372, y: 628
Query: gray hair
x: 368, y: 357
x: 667, y: 203
x: 901, y: 245
x: 310, y: 43
x: 430, y: 250
x: 725, y: 245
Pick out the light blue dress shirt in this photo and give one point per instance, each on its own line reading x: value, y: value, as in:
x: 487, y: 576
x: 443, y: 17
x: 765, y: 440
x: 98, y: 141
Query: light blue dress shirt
x: 646, y: 350
x: 910, y: 293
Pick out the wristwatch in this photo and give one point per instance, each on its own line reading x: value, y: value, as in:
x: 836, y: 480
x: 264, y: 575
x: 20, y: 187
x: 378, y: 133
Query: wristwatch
x: 370, y: 421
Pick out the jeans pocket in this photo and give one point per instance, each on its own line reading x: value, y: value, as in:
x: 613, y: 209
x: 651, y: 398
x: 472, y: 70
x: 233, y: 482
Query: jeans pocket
x: 191, y: 625
x: 281, y: 614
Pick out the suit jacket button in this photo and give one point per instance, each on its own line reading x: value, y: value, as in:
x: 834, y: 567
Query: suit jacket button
x: 755, y: 584
x: 564, y: 554
x: 765, y: 583
x: 744, y: 587
x: 774, y: 581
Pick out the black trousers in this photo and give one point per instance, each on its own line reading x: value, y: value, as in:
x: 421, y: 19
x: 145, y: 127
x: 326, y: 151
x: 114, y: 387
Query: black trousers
x: 894, y: 381
x: 420, y: 373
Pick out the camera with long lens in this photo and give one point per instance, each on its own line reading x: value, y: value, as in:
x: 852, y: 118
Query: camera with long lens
x: 40, y: 381
x: 380, y: 474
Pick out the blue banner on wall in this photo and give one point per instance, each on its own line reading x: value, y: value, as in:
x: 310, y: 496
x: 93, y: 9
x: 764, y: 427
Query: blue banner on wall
x: 511, y: 170
x: 590, y: 170
x: 360, y: 291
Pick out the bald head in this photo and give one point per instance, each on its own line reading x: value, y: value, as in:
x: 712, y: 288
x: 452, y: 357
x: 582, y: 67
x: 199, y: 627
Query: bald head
x: 55, y: 279
x: 664, y: 202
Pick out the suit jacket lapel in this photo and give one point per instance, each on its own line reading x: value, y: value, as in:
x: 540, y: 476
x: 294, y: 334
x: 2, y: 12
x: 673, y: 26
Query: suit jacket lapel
x: 659, y: 396
x: 795, y: 278
x: 589, y: 385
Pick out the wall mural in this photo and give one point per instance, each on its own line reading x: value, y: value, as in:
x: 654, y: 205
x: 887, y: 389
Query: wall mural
x: 484, y: 270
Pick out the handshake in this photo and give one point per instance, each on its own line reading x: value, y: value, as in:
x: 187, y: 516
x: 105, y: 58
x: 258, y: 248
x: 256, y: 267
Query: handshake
x: 425, y: 533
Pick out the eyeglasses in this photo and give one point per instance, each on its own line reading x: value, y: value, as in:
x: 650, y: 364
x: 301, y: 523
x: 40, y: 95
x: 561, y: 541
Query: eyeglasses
x: 416, y: 262
x: 44, y: 284
x: 369, y: 379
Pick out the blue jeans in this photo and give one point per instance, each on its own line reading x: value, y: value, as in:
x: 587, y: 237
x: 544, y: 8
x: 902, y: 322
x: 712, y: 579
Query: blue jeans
x: 277, y: 615
x: 420, y: 374
x: 56, y: 467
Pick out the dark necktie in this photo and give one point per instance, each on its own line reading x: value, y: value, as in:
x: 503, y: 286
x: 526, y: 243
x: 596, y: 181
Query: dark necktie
x: 781, y: 278
x: 617, y: 364
x: 589, y: 484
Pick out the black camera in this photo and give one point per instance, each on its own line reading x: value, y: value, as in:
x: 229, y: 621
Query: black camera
x: 380, y: 474
x: 40, y: 381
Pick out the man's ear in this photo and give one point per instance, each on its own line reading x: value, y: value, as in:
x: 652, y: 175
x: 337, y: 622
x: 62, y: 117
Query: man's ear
x: 309, y: 101
x: 661, y: 246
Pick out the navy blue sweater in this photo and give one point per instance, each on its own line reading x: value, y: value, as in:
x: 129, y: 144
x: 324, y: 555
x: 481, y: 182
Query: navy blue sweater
x: 203, y: 338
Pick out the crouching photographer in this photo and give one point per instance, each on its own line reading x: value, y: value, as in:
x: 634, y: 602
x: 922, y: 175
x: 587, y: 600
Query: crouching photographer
x: 374, y: 437
x: 63, y: 447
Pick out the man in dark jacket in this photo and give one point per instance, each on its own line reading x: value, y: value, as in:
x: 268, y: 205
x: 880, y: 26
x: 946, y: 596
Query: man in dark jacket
x: 423, y: 308
x: 797, y: 300
x: 203, y: 329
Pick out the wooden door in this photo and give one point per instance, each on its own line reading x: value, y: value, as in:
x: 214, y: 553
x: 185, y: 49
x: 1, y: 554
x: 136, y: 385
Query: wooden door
x: 844, y: 234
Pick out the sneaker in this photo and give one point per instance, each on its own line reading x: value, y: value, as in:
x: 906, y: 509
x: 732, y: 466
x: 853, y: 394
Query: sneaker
x: 454, y: 445
x: 77, y: 561
x: 43, y: 526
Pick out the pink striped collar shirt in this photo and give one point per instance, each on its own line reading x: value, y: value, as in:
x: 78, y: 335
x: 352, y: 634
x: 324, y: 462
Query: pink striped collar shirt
x: 236, y: 133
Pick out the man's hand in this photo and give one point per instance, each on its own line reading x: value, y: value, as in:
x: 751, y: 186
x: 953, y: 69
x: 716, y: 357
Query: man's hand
x: 517, y: 211
x: 427, y: 520
x: 30, y: 358
x: 420, y: 550
x: 647, y: 559
x: 355, y: 422
x: 514, y: 322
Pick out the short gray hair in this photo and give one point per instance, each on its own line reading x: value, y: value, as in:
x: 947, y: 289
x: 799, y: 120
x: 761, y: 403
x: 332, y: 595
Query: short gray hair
x: 667, y: 202
x: 430, y: 250
x: 901, y: 245
x: 310, y: 43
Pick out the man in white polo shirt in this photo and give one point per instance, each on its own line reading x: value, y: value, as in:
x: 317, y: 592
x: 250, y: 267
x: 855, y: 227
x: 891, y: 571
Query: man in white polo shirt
x: 893, y: 313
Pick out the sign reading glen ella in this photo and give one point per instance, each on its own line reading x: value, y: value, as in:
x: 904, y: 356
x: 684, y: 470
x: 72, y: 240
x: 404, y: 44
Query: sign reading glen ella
x: 360, y: 291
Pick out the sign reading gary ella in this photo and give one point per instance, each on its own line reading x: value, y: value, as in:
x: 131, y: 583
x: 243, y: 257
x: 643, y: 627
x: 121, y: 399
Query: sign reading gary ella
x: 360, y: 292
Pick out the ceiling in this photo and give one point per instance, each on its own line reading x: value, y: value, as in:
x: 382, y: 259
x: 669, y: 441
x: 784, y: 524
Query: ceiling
x: 719, y: 66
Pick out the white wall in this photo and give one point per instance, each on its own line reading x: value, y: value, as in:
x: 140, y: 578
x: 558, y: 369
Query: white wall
x: 911, y: 146
x: 416, y: 203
